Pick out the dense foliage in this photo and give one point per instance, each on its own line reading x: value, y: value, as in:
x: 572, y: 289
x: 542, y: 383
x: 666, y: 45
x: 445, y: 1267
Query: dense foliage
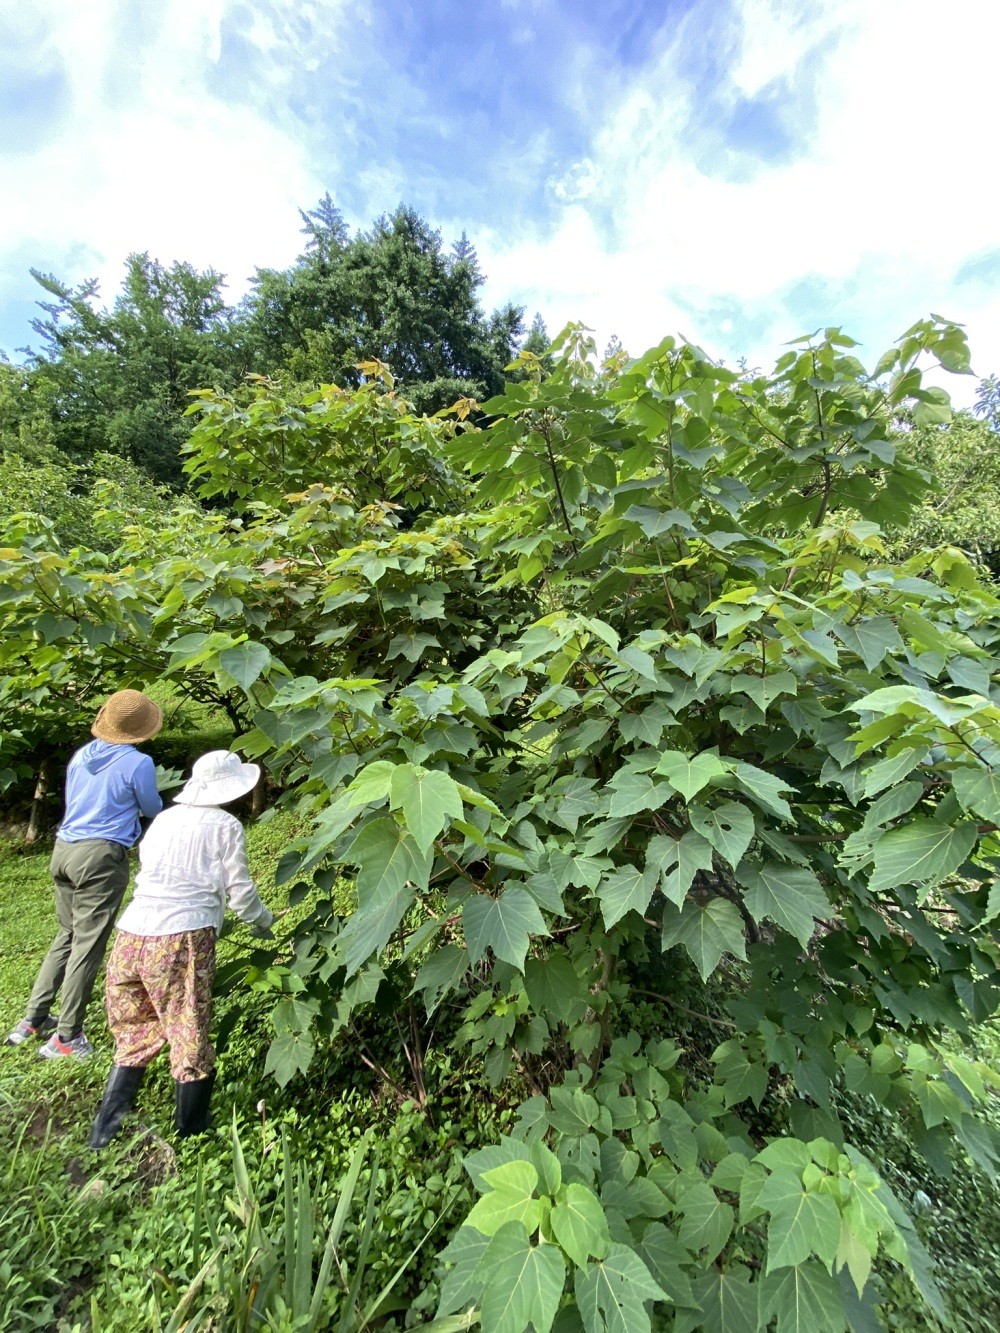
x: 233, y: 1230
x: 964, y: 507
x: 622, y: 684
x: 116, y: 379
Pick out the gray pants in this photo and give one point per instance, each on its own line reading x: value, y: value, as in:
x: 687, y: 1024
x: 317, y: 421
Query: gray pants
x: 91, y: 878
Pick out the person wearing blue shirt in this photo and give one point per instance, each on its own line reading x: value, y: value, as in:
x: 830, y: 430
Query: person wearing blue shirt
x: 110, y: 786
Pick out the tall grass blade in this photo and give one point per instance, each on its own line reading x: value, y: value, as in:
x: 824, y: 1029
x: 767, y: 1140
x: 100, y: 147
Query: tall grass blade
x: 302, y: 1288
x: 373, y: 1310
x: 350, y: 1309
x: 347, y: 1187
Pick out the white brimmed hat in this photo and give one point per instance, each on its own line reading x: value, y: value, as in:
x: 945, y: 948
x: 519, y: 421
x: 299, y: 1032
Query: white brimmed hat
x: 218, y: 777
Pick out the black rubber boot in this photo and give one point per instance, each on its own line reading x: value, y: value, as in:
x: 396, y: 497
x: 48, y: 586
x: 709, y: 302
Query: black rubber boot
x: 191, y: 1106
x: 119, y: 1094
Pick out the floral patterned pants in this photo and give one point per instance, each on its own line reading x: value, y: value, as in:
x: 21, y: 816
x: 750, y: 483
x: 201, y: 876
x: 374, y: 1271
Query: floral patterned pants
x: 158, y: 991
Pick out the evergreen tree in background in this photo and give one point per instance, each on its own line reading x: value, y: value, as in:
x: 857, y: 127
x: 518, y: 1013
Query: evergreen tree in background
x: 391, y: 294
x: 118, y: 379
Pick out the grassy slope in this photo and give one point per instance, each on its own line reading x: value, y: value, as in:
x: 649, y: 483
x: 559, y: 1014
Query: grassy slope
x: 72, y: 1207
x: 75, y: 1230
x: 107, y: 1243
x: 28, y: 923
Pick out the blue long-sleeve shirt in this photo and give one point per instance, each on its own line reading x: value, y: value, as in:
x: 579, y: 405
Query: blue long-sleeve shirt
x: 108, y: 787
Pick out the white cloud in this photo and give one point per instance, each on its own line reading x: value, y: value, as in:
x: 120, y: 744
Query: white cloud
x: 148, y: 158
x: 578, y: 182
x: 890, y: 193
x: 658, y: 225
x: 773, y: 38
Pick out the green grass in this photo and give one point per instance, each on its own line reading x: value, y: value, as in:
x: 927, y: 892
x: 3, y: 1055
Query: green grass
x: 91, y: 1243
x: 112, y: 1242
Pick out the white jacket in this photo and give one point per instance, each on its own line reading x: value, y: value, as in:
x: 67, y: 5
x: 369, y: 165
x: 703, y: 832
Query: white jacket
x: 191, y: 860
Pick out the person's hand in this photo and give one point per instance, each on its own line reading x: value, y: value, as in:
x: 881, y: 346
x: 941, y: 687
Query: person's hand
x: 262, y: 932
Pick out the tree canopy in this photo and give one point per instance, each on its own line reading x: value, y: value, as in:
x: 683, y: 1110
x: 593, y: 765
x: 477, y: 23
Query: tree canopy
x: 964, y: 506
x: 117, y: 378
x: 636, y: 705
x: 391, y: 294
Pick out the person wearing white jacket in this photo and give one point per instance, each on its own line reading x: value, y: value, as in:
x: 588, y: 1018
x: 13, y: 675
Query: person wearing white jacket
x: 158, y: 990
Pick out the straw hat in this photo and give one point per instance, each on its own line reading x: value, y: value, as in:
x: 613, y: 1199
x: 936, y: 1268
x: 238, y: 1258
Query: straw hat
x: 127, y: 717
x: 218, y: 777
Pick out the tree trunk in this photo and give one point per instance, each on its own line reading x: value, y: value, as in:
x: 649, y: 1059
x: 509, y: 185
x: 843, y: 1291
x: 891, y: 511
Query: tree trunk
x: 258, y: 797
x: 36, y: 818
x: 598, y: 1019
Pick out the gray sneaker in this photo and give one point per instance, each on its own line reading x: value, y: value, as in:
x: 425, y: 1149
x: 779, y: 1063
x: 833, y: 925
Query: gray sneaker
x: 25, y: 1031
x: 56, y: 1049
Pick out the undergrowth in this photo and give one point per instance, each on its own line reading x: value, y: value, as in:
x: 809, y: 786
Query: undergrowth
x: 122, y: 1241
x: 115, y: 1241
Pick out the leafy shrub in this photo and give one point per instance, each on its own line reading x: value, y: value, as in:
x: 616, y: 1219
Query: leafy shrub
x: 632, y: 678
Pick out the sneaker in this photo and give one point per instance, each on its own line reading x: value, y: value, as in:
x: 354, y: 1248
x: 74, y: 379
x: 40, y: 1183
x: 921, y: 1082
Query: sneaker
x: 55, y: 1048
x: 25, y: 1031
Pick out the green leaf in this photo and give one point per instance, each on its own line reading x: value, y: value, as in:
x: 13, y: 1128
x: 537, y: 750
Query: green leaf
x: 667, y: 1260
x: 361, y: 990
x: 462, y: 1283
x: 625, y: 890
x: 574, y: 867
x: 290, y: 1053
x: 923, y: 851
x: 930, y: 411
x: 548, y: 1166
x: 970, y: 675
x: 245, y: 663
x: 655, y: 522
x: 478, y: 1163
x: 687, y: 774
x: 893, y: 803
x: 611, y: 1295
x: 728, y: 1300
x: 52, y: 627
x: 693, y: 853
x: 511, y: 1198
x: 502, y: 924
x: 748, y: 1080
x: 371, y: 927
x: 728, y: 827
x: 764, y: 788
x: 870, y: 639
x: 992, y: 904
x: 646, y: 726
x: 952, y: 351
x: 791, y: 896
x: 426, y: 799
x: 706, y: 1222
x: 661, y: 856
x: 802, y: 1224
x: 371, y: 784
x: 887, y: 772
x: 555, y: 988
x: 979, y: 791
x: 762, y: 690
x: 633, y: 792
x: 803, y: 1299
x: 707, y: 932
x: 579, y: 1225
x: 441, y: 973
x: 387, y: 858
x: 574, y: 1111
x: 894, y: 699
x: 523, y: 1283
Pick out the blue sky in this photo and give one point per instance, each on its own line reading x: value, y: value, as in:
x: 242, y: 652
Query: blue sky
x: 738, y: 170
